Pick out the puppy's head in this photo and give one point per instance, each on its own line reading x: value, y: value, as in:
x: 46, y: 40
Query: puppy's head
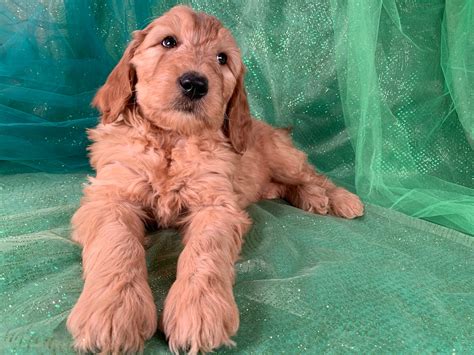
x: 184, y: 73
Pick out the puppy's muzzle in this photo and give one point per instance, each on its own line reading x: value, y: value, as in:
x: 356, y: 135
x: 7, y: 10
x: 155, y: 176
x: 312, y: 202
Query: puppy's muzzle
x: 193, y: 85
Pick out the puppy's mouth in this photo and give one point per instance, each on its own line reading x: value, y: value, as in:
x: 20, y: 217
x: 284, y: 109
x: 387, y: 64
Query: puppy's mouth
x: 186, y: 105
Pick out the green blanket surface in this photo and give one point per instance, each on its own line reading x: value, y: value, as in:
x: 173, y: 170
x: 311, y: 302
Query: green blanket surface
x: 305, y: 283
x: 380, y: 96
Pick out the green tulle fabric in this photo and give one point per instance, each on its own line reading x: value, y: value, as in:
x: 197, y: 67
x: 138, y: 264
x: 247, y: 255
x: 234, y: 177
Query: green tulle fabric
x: 380, y: 95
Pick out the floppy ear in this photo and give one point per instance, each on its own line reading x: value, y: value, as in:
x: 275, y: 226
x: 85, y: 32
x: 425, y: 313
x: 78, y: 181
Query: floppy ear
x: 239, y: 121
x: 117, y: 92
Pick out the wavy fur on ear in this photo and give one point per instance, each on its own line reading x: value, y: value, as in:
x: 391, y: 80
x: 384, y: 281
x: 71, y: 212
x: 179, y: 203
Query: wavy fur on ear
x: 239, y: 123
x: 117, y: 92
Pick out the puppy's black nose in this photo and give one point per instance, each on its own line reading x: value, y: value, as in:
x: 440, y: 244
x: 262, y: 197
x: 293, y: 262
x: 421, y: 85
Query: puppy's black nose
x: 193, y: 85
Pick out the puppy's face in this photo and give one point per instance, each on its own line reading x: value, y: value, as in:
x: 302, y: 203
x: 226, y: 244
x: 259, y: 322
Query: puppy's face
x: 187, y: 65
x: 183, y: 73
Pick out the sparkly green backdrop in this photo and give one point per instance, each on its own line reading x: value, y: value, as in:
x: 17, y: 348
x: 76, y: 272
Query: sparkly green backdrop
x: 380, y: 94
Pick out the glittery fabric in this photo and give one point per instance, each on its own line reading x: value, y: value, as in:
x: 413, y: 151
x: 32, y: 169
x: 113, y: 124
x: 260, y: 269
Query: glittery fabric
x: 305, y: 283
x: 380, y: 96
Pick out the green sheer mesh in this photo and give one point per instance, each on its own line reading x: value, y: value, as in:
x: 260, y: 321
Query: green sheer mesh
x: 380, y: 94
x: 386, y: 283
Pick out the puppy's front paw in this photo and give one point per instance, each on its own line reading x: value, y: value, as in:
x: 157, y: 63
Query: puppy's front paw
x: 113, y: 319
x: 345, y: 204
x: 199, y: 316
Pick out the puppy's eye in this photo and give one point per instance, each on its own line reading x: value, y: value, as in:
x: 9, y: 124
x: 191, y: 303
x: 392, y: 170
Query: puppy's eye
x: 169, y: 42
x: 222, y: 58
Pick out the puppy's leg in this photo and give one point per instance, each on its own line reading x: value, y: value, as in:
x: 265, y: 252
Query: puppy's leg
x: 200, y: 313
x: 305, y: 188
x: 321, y: 196
x: 115, y: 312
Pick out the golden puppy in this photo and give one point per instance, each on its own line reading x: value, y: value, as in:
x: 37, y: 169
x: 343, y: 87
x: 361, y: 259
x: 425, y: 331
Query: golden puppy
x: 177, y: 144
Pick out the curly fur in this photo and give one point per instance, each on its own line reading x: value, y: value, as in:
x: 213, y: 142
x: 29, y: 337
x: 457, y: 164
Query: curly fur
x: 196, y: 171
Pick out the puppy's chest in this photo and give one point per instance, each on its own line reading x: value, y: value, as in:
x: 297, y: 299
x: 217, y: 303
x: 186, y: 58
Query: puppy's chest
x: 177, y: 174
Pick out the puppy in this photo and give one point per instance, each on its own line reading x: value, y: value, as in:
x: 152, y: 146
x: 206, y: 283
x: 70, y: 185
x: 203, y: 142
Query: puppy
x: 176, y: 144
